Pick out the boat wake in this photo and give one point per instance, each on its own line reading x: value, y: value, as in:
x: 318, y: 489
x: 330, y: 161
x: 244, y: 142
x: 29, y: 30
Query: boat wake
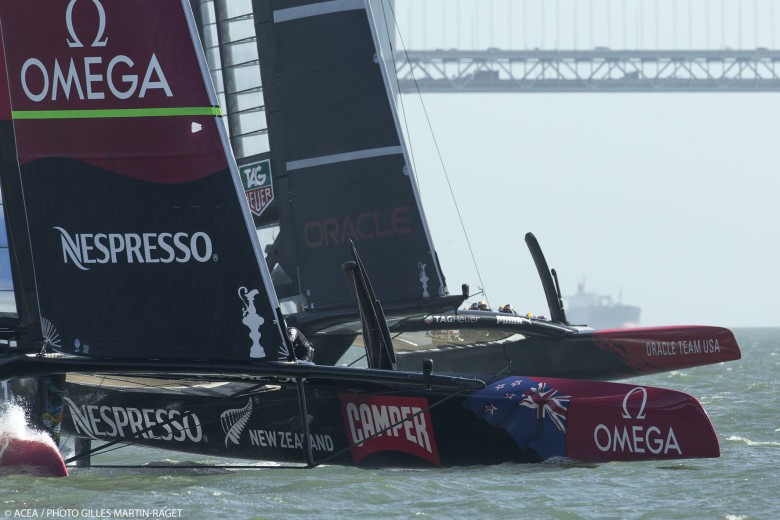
x: 25, y: 450
x: 748, y: 442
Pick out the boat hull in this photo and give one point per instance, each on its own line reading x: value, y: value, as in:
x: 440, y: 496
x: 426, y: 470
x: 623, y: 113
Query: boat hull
x: 36, y: 456
x: 603, y: 355
x: 515, y: 419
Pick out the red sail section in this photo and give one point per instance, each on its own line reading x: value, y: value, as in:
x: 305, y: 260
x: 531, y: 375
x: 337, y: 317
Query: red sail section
x: 89, y: 61
x: 142, y: 244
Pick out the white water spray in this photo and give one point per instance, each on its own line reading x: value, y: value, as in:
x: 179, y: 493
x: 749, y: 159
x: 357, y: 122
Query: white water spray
x: 13, y: 424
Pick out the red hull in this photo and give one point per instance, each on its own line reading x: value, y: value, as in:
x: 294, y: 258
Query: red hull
x: 33, y: 455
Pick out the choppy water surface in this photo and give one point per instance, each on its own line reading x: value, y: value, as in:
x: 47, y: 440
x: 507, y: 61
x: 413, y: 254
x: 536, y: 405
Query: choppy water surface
x: 741, y: 398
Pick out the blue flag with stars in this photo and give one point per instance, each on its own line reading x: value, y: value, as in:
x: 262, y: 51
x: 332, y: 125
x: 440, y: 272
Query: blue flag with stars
x: 531, y: 411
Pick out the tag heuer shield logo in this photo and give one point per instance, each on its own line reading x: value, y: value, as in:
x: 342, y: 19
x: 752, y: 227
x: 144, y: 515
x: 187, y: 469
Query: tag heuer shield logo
x: 258, y: 187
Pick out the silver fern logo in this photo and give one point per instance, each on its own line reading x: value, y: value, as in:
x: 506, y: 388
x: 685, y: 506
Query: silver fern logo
x: 234, y: 421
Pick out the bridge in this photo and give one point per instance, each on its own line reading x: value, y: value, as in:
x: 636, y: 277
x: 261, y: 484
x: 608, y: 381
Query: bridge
x: 583, y: 45
x: 598, y: 70
x: 524, y: 46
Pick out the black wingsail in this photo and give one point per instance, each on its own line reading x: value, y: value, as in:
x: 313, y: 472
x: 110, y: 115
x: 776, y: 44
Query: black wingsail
x: 141, y: 241
x: 339, y: 163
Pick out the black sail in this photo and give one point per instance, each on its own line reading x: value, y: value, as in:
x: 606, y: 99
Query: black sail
x: 141, y: 241
x: 340, y: 166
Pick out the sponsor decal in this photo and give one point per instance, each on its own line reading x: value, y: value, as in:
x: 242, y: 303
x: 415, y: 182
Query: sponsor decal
x: 663, y: 348
x: 682, y: 347
x: 512, y: 320
x: 123, y: 422
x: 258, y: 185
x: 91, y: 77
x: 630, y: 427
x: 532, y: 412
x: 452, y: 318
x: 389, y: 423
x: 639, y: 438
x: 234, y: 421
x: 98, y: 42
x: 289, y: 440
x: 252, y: 320
x: 88, y: 249
x: 365, y: 226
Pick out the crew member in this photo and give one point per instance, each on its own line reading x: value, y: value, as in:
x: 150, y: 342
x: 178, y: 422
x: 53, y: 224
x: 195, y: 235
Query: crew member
x: 481, y: 305
x: 302, y: 347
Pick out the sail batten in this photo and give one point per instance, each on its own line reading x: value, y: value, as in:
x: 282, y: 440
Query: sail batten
x: 343, y: 157
x: 307, y: 11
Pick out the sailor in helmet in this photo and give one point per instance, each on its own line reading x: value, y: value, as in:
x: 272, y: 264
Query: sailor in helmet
x: 304, y: 351
x: 481, y: 305
x: 507, y: 309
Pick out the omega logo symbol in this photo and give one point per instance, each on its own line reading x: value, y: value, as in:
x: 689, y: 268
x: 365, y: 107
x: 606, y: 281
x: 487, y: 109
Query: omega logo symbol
x: 641, y: 414
x: 101, y: 25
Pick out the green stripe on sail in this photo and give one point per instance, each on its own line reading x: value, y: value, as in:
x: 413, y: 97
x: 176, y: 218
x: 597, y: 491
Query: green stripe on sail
x: 119, y: 112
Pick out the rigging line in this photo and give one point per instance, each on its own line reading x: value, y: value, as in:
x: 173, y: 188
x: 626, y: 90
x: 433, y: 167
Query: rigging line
x: 504, y: 370
x: 98, y: 451
x: 358, y: 359
x: 438, y: 152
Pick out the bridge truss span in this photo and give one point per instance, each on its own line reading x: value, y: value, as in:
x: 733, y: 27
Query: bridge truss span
x: 598, y: 70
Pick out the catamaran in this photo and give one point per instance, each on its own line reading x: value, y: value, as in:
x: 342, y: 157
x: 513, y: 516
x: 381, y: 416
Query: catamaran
x: 138, y: 275
x: 342, y: 170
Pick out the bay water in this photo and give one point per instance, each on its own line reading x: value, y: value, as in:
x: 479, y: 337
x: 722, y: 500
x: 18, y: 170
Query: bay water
x: 741, y: 398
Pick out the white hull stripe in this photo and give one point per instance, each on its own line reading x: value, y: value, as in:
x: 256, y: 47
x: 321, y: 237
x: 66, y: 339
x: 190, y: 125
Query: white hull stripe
x: 305, y: 11
x: 343, y: 157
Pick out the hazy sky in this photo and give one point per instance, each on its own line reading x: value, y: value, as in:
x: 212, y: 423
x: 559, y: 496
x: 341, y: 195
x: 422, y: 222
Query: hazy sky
x: 669, y: 199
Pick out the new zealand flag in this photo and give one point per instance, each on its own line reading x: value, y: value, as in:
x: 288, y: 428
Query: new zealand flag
x: 531, y: 411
